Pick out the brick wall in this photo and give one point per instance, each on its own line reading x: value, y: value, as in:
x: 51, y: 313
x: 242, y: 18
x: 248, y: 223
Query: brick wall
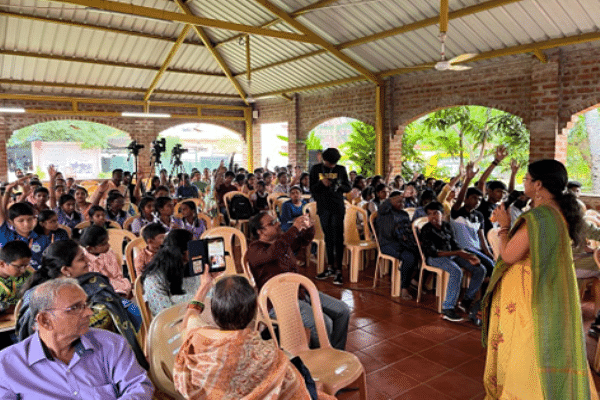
x: 546, y: 96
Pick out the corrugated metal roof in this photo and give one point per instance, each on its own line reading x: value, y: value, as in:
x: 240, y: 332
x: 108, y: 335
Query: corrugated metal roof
x: 512, y: 24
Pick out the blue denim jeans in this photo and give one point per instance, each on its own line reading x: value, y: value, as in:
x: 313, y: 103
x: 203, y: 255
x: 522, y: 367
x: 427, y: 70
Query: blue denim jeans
x: 453, y: 266
x: 487, y: 262
x: 410, y: 262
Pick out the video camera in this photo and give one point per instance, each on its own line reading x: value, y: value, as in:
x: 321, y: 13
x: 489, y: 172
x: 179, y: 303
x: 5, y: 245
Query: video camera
x: 178, y: 150
x: 134, y: 148
x: 158, y: 147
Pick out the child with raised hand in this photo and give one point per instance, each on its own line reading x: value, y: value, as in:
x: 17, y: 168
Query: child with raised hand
x: 48, y: 225
x: 66, y: 213
x: 102, y: 259
x: 154, y: 235
x: 190, y: 220
x: 17, y: 223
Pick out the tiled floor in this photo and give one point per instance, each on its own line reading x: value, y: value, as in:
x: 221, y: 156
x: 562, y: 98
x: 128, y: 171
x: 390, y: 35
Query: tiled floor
x: 408, y: 351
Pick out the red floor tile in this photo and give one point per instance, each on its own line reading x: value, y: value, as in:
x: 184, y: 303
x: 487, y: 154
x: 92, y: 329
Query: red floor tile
x: 456, y: 385
x: 384, y: 329
x: 359, y: 339
x: 473, y: 368
x: 370, y: 363
x: 390, y: 382
x: 466, y: 344
x: 446, y: 356
x: 413, y: 341
x: 423, y: 392
x: 419, y: 368
x: 386, y: 352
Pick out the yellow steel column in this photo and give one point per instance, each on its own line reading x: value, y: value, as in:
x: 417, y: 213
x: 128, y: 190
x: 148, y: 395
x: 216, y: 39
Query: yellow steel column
x: 379, y: 114
x: 249, y: 138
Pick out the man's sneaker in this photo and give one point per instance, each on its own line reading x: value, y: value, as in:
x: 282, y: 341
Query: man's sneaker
x: 465, y: 305
x: 451, y: 315
x: 325, y: 274
x: 339, y: 279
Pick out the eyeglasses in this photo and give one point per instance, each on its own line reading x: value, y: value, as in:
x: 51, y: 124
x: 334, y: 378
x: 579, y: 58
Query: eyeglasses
x: 77, y: 308
x: 273, y: 222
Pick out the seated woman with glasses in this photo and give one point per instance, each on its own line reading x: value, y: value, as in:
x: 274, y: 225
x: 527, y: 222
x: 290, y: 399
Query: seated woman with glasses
x: 66, y: 259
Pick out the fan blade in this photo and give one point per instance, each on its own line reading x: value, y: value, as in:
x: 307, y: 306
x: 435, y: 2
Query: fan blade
x: 462, y: 58
x: 458, y: 67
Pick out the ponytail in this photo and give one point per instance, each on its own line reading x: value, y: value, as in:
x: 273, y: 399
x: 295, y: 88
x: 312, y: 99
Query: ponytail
x: 571, y: 210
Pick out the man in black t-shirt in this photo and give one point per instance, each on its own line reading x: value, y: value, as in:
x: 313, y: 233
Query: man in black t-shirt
x: 496, y: 191
x: 328, y: 183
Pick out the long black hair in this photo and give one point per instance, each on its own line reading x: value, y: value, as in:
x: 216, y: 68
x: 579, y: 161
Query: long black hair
x: 57, y: 255
x: 553, y: 176
x: 168, y: 261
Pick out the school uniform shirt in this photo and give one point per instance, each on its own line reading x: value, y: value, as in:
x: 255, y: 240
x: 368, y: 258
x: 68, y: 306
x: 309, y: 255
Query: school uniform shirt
x: 119, y: 217
x: 141, y: 222
x: 10, y: 288
x: 37, y: 243
x: 196, y: 228
x: 142, y: 259
x: 466, y: 226
x: 64, y: 219
x: 108, y: 265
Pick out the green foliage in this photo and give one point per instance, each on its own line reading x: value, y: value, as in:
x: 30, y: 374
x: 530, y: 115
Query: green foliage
x: 579, y: 158
x: 287, y: 140
x: 312, y: 142
x: 91, y: 135
x: 359, y: 151
x: 464, y: 132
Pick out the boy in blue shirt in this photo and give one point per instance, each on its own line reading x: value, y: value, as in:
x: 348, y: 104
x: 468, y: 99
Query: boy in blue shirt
x: 17, y: 224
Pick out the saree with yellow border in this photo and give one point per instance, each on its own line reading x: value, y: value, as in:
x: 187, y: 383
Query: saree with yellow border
x: 532, y: 319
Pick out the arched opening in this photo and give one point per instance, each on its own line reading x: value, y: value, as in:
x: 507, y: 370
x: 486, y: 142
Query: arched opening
x: 583, y: 150
x: 353, y: 138
x: 78, y: 148
x: 199, y: 145
x: 440, y: 143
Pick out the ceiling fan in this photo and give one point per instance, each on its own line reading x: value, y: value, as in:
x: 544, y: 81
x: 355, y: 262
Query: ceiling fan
x: 443, y: 64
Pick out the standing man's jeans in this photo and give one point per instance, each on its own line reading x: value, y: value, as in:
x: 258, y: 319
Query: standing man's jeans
x: 336, y: 315
x: 410, y: 262
x: 453, y: 266
x: 332, y: 223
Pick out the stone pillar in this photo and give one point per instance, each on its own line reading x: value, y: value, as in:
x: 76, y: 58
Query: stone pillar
x: 296, y: 151
x: 4, y: 137
x: 145, y: 132
x: 547, y: 140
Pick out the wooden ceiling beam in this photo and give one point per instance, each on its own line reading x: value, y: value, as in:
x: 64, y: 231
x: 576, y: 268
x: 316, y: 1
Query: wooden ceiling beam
x: 149, y: 12
x: 168, y: 60
x: 106, y: 63
x: 486, y: 6
x: 330, y: 48
x: 303, y: 10
x: 112, y: 88
x: 91, y: 26
x: 214, y: 52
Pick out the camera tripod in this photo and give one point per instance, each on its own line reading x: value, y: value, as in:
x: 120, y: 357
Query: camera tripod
x: 178, y: 167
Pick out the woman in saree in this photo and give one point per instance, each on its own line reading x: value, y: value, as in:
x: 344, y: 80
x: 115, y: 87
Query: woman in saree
x: 531, y: 310
x: 232, y: 361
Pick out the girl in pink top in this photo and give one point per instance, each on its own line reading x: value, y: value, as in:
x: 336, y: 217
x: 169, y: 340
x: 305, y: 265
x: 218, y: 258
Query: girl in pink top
x: 102, y: 259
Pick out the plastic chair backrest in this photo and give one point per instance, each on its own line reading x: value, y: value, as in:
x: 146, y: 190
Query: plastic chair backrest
x: 282, y: 292
x: 227, y: 198
x: 373, y: 228
x: 311, y: 210
x: 208, y: 222
x: 66, y: 228
x: 274, y: 196
x: 279, y: 203
x: 115, y: 240
x: 229, y: 235
x: 136, y: 244
x: 351, y: 233
x: 138, y: 294
x: 199, y: 205
x: 129, y: 221
x: 83, y: 225
x: 165, y: 337
x: 417, y: 225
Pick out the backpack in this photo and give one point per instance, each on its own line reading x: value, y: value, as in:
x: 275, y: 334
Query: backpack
x: 240, y: 207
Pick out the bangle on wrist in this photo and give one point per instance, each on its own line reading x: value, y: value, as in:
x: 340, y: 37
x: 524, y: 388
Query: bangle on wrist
x: 196, y: 305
